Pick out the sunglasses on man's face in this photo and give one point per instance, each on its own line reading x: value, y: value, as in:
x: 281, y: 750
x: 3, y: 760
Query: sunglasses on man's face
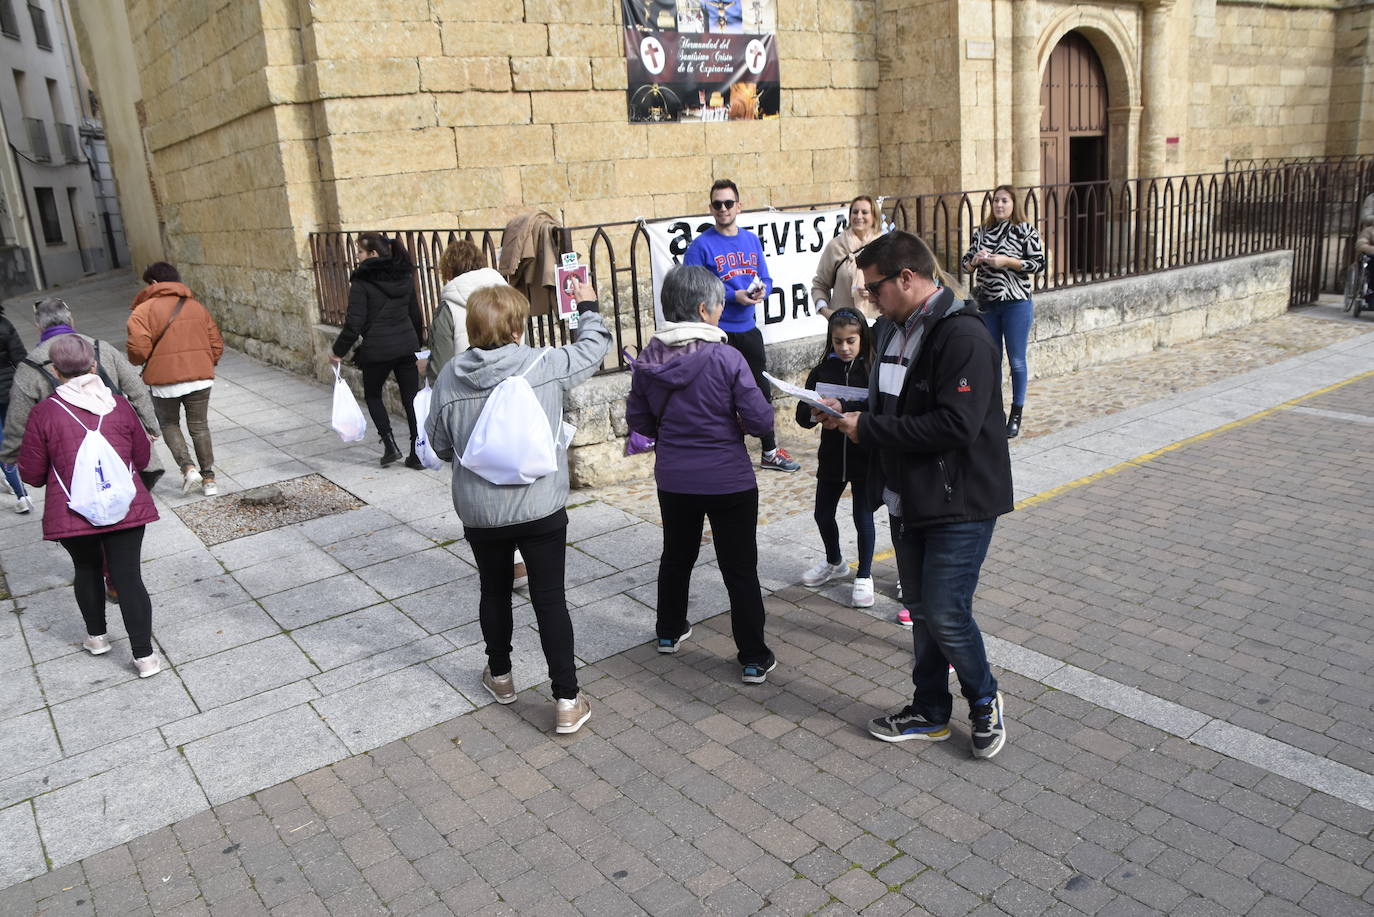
x: 875, y: 286
x: 723, y: 205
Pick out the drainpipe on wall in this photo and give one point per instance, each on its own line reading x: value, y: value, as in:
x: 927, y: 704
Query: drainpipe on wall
x: 38, y: 274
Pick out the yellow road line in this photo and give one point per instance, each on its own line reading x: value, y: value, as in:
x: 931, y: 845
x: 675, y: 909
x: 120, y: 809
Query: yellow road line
x: 1139, y: 460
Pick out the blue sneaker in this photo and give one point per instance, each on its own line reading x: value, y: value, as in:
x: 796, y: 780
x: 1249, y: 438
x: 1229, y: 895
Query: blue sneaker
x: 757, y: 674
x: 905, y: 725
x: 670, y: 645
x: 779, y: 460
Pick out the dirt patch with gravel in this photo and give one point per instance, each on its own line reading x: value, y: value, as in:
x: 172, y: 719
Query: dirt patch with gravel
x: 221, y: 519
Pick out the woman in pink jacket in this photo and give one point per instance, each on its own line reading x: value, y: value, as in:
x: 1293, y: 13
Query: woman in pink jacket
x: 57, y: 425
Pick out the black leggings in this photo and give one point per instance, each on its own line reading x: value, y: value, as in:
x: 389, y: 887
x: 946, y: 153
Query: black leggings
x: 407, y: 379
x: 544, y: 556
x: 828, y: 495
x: 734, y: 524
x: 750, y: 345
x: 121, y: 550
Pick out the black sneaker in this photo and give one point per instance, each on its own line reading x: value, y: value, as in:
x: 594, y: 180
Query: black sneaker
x: 670, y: 645
x: 905, y: 725
x: 989, y: 727
x: 757, y: 673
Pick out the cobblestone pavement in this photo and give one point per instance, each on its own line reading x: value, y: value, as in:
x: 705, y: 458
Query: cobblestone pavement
x: 1178, y: 614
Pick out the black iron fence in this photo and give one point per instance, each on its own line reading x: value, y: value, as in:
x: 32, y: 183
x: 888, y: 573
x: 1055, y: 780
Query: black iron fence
x: 1093, y: 232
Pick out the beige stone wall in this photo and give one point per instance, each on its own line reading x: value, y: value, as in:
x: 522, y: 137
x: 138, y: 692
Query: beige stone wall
x: 1261, y: 81
x: 474, y: 110
x: 1352, y: 83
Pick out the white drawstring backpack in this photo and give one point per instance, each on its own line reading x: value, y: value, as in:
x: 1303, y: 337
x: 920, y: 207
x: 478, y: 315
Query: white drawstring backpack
x: 512, y: 442
x: 102, y: 487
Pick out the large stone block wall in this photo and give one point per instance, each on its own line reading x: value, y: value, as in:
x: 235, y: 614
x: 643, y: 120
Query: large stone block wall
x: 1074, y: 329
x: 474, y: 110
x: 1262, y: 81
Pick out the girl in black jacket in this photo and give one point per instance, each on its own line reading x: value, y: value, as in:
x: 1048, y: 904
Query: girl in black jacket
x: 12, y: 353
x: 842, y: 373
x: 384, y: 311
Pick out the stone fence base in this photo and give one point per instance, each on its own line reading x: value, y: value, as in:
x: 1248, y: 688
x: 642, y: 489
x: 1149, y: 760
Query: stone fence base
x: 1074, y: 329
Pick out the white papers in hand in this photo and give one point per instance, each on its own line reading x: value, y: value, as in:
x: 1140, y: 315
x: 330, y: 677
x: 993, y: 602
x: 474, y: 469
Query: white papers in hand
x: 804, y: 395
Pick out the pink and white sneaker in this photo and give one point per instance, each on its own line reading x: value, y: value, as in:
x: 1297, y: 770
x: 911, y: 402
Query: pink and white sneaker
x: 904, y: 618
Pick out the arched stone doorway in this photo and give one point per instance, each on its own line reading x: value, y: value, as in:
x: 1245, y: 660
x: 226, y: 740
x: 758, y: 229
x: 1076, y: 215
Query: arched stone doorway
x: 1074, y: 130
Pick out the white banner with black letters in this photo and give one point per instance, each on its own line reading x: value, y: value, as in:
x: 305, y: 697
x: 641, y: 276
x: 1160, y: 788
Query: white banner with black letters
x: 792, y: 244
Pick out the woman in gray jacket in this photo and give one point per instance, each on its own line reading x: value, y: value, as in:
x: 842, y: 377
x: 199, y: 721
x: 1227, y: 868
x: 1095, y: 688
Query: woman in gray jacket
x: 499, y: 518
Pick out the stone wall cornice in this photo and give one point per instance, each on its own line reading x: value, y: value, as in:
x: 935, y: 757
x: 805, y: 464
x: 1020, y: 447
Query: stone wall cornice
x: 1332, y: 5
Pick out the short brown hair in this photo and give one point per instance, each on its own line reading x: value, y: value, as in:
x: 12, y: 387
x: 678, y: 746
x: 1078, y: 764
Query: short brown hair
x: 496, y: 316
x: 460, y: 257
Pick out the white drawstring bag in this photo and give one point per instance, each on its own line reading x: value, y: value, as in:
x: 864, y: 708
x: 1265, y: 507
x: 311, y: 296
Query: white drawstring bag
x: 102, y: 486
x: 512, y: 442
x: 348, y: 419
x: 422, y: 447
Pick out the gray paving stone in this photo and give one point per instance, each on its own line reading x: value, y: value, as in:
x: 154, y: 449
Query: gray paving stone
x: 61, y: 771
x: 262, y: 752
x: 611, y: 625
x: 276, y: 576
x: 196, y: 565
x: 245, y: 671
x: 413, y: 573
x: 340, y: 526
x: 277, y: 544
x: 356, y: 635
x: 1172, y: 718
x: 382, y: 663
x: 463, y: 668
x: 448, y: 605
x: 386, y: 708
x: 79, y: 674
x: 184, y: 641
x: 118, y: 805
x: 1330, y: 777
x: 126, y: 709
x: 375, y: 547
x: 19, y: 692
x: 21, y: 853
x: 317, y: 601
x: 35, y: 566
x: 14, y: 653
x: 237, y: 713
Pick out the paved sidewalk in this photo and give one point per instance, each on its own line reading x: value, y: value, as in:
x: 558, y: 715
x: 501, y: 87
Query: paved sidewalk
x: 1183, y: 637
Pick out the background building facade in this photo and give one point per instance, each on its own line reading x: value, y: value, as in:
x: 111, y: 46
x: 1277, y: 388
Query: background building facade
x: 238, y: 128
x: 59, y: 215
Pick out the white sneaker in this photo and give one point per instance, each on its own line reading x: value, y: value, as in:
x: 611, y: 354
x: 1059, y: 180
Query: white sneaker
x: 862, y: 596
x: 96, y: 646
x: 209, y: 488
x: 824, y: 572
x: 148, y: 666
x: 190, y: 480
x: 23, y: 505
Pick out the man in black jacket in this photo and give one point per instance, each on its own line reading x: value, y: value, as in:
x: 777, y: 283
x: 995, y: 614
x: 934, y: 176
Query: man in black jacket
x: 937, y: 436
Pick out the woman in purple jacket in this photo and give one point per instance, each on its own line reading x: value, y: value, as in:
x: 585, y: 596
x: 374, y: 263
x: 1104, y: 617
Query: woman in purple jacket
x: 695, y: 395
x: 56, y: 427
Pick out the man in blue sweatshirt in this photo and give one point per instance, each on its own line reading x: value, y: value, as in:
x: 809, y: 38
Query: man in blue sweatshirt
x: 736, y: 255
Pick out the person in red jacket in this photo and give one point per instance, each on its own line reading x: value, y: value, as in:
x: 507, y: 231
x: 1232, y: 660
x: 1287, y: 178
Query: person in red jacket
x: 56, y: 427
x: 176, y: 341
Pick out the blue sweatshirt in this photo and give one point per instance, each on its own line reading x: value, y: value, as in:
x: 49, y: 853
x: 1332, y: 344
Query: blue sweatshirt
x: 737, y: 260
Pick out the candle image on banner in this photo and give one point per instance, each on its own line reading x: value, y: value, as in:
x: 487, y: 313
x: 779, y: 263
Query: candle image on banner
x: 701, y: 60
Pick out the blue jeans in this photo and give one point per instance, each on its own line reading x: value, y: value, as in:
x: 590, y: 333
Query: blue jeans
x: 11, y: 471
x: 1009, y: 323
x: 939, y: 569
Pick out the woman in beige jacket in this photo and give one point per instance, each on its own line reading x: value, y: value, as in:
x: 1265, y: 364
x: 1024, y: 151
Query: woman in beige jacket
x: 837, y: 284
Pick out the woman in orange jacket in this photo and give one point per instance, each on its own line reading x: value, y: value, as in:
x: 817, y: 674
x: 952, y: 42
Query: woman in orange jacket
x: 178, y: 344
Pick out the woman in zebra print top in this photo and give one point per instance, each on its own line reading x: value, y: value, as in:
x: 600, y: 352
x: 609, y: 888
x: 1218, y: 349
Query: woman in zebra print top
x: 1004, y: 255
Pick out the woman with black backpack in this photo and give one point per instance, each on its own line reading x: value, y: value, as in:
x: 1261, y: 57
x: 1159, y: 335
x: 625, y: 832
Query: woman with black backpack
x: 384, y: 312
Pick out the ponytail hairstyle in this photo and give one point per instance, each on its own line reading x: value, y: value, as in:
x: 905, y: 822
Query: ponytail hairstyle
x: 898, y: 250
x: 390, y: 249
x: 846, y: 318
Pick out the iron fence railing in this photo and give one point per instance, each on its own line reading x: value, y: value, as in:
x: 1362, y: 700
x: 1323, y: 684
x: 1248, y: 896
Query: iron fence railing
x: 1093, y: 232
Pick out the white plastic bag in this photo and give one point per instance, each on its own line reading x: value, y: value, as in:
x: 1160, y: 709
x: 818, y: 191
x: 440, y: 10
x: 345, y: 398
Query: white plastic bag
x: 513, y: 441
x: 348, y: 419
x: 422, y: 447
x: 102, y: 487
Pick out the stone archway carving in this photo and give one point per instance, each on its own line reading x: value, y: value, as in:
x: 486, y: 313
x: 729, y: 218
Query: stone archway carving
x: 1119, y: 52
